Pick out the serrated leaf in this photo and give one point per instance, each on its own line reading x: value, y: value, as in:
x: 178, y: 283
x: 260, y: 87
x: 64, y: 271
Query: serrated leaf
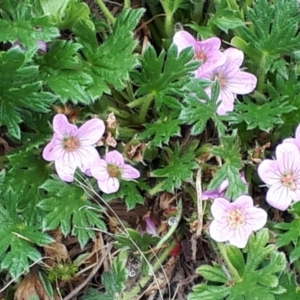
x: 288, y: 281
x: 67, y: 207
x: 19, y: 89
x: 110, y: 63
x: 229, y: 152
x: 19, y: 23
x: 162, y: 130
x: 165, y: 75
x: 178, y: 170
x: 236, y: 258
x: 213, y: 273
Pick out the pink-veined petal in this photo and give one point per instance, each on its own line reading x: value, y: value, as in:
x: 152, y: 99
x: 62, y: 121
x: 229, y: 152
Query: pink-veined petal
x: 115, y: 158
x: 183, y: 40
x: 210, y: 195
x: 242, y: 83
x: 111, y: 185
x: 214, y: 59
x: 240, y: 236
x: 293, y: 141
x: 65, y: 168
x: 62, y: 127
x: 220, y: 208
x: 243, y: 202
x: 220, y: 231
x: 278, y: 196
x: 99, y: 170
x: 235, y: 56
x: 268, y: 171
x: 226, y: 103
x: 87, y: 156
x: 53, y: 149
x: 288, y: 157
x: 129, y: 172
x: 256, y: 218
x: 91, y: 132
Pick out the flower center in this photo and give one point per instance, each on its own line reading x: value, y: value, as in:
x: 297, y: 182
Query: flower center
x: 113, y: 171
x: 200, y: 55
x: 288, y: 180
x: 236, y: 218
x: 222, y: 80
x: 71, y: 143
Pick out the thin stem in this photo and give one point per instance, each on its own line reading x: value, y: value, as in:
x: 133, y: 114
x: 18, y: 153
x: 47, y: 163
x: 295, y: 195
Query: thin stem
x: 233, y: 272
x: 261, y: 73
x: 143, y: 112
x: 106, y: 12
x: 127, y: 3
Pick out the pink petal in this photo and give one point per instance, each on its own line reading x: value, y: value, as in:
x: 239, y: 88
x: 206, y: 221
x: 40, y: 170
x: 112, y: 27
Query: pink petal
x: 42, y: 45
x: 210, y: 195
x: 293, y: 141
x: 220, y: 208
x: 65, y: 168
x: 242, y: 83
x: 243, y: 202
x: 111, y: 185
x: 297, y: 134
x: 278, y: 196
x: 91, y: 132
x: 214, y: 59
x: 62, y: 127
x: 115, y: 158
x: 86, y: 157
x: 268, y: 171
x: 220, y: 231
x: 235, y: 56
x: 288, y: 157
x: 183, y: 40
x: 128, y: 172
x: 224, y: 185
x: 256, y: 218
x: 240, y: 236
x: 213, y: 43
x: 227, y: 102
x: 99, y: 170
x: 53, y: 149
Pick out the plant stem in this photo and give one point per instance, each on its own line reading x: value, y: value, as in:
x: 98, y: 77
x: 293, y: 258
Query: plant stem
x: 145, y: 106
x: 106, y: 12
x: 198, y: 11
x: 127, y: 3
x: 261, y: 73
x: 169, y: 17
x: 233, y: 272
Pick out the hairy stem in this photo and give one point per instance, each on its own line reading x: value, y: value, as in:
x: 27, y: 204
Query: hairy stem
x: 106, y: 12
x: 145, y: 106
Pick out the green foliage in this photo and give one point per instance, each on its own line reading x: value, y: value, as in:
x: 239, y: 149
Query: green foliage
x: 19, y: 22
x: 229, y: 151
x: 133, y: 239
x: 178, y: 169
x: 62, y: 70
x: 110, y: 63
x: 113, y: 282
x: 275, y: 26
x: 67, y: 207
x: 288, y: 281
x: 257, y: 275
x: 17, y: 239
x: 19, y: 90
x: 164, y: 76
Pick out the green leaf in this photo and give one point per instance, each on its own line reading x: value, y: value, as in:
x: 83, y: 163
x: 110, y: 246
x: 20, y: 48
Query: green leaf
x: 19, y: 23
x: 110, y: 63
x: 259, y: 280
x: 288, y: 281
x: 264, y: 117
x: 17, y: 240
x: 230, y: 153
x: 164, y: 76
x: 67, y: 207
x: 274, y: 27
x: 179, y: 168
x: 19, y: 89
x: 162, y: 130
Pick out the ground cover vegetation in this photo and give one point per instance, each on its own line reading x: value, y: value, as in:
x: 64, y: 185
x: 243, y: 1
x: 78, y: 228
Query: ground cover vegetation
x: 149, y: 149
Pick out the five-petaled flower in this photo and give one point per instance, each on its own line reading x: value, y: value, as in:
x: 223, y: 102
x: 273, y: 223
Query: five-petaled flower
x: 235, y: 221
x: 231, y: 79
x: 110, y: 170
x: 205, y: 51
x: 282, y: 176
x: 71, y: 147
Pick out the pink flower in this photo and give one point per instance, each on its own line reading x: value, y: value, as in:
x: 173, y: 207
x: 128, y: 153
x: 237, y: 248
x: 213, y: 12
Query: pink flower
x: 282, y: 176
x: 206, y: 51
x: 295, y: 140
x: 71, y: 147
x: 221, y: 190
x: 235, y: 221
x: 150, y: 227
x: 110, y: 170
x: 231, y: 79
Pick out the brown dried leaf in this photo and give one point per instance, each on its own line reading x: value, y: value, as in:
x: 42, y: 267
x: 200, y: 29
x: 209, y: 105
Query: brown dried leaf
x: 57, y: 252
x: 135, y: 152
x: 71, y: 112
x: 111, y: 121
x: 110, y: 140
